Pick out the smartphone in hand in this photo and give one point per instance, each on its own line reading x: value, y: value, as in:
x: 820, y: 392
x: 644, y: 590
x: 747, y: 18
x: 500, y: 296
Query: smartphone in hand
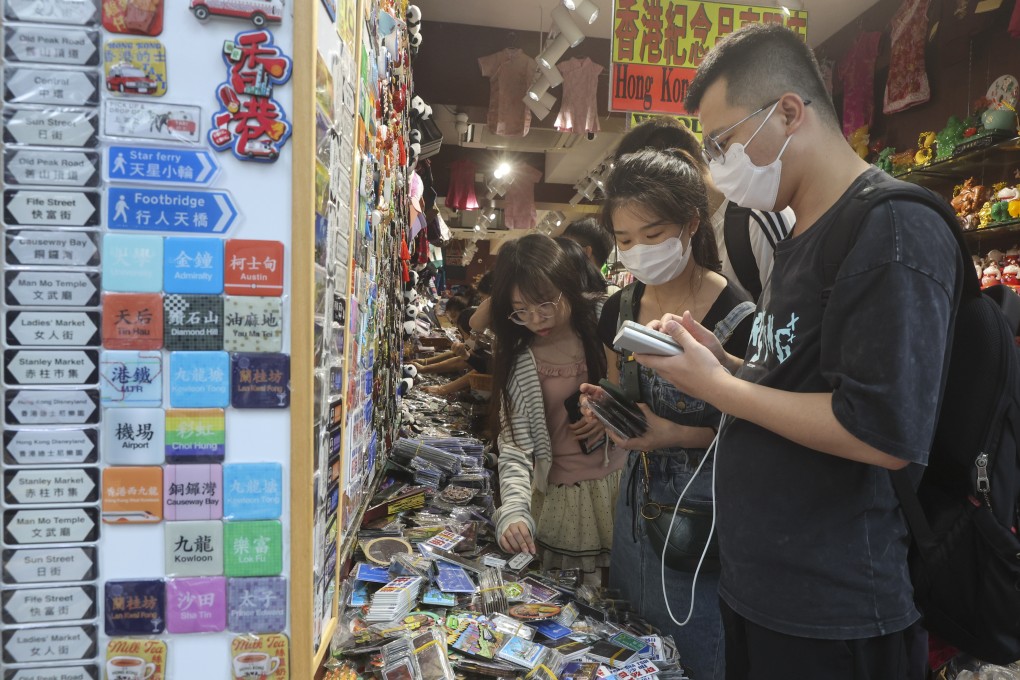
x: 573, y: 406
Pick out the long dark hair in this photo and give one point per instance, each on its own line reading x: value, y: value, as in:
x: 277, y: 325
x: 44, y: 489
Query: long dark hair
x: 668, y: 185
x: 588, y: 274
x: 536, y: 265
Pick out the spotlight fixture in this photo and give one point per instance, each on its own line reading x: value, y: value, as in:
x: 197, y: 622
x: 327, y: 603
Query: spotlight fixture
x: 491, y: 211
x: 539, y: 87
x: 586, y: 9
x: 537, y: 108
x: 557, y: 217
x: 462, y: 123
x: 554, y: 51
x: 571, y: 31
x: 551, y: 74
x: 502, y: 170
x: 498, y: 187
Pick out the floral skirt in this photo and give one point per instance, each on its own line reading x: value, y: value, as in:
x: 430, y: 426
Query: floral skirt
x: 575, y: 524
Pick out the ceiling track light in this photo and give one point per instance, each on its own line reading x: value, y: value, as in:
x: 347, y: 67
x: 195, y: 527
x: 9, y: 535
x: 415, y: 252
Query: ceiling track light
x: 550, y: 74
x: 537, y: 109
x: 553, y: 52
x: 586, y: 9
x: 568, y: 29
x: 539, y: 88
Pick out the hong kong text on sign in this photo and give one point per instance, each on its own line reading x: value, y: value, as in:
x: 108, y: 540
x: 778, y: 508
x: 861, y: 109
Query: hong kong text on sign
x: 657, y: 46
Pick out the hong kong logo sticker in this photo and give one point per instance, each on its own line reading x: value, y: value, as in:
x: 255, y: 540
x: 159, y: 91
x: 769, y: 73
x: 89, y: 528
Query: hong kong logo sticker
x: 249, y: 121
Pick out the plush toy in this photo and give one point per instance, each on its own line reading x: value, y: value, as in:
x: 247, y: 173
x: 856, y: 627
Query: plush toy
x: 409, y: 328
x: 925, y: 146
x: 409, y: 371
x: 859, y: 139
x: 991, y: 276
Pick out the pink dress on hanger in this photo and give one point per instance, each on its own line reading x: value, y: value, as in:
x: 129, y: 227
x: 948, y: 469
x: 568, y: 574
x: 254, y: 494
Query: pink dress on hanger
x: 520, y: 198
x: 857, y: 71
x: 461, y: 193
x: 509, y: 72
x: 579, y: 110
x: 908, y: 81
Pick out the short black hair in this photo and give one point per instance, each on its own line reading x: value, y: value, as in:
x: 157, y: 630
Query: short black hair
x: 589, y: 275
x: 456, y: 305
x: 662, y: 133
x: 761, y: 62
x: 590, y: 234
x: 485, y: 283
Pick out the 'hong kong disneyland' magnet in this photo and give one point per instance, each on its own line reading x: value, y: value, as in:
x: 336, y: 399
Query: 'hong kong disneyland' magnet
x: 250, y: 122
x: 260, y: 380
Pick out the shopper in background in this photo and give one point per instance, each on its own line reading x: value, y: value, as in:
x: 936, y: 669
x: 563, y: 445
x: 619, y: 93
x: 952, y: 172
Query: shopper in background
x: 556, y: 500
x: 830, y: 396
x: 589, y: 275
x: 656, y: 208
x: 746, y: 239
x: 592, y: 237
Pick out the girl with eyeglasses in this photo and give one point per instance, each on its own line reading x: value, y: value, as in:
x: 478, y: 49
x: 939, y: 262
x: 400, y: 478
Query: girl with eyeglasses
x: 656, y: 207
x: 558, y: 479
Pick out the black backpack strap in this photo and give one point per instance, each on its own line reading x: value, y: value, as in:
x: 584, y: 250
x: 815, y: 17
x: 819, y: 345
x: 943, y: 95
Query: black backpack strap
x: 630, y: 372
x: 737, y: 235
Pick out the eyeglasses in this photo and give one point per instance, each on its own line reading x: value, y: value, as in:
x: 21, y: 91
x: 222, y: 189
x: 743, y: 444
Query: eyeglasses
x: 712, y: 146
x: 546, y: 310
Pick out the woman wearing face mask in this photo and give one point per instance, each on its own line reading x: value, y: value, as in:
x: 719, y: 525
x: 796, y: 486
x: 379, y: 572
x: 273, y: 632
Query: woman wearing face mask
x: 557, y: 498
x: 656, y: 208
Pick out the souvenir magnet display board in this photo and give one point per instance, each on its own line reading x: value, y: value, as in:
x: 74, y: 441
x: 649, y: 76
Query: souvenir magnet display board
x: 132, y: 391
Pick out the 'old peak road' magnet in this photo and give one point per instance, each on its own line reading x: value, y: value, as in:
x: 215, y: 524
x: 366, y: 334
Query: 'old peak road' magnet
x: 135, y: 66
x: 133, y: 495
x: 52, y: 45
x: 140, y: 17
x: 51, y: 168
x: 133, y: 436
x: 193, y: 548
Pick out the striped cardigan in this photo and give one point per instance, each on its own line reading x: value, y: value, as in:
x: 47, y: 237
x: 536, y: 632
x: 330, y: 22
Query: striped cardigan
x: 525, y: 458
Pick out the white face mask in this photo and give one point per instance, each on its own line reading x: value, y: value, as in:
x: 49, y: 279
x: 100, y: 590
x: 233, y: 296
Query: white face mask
x: 656, y: 264
x: 746, y: 184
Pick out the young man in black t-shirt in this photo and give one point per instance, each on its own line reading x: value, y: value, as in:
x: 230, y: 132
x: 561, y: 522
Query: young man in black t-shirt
x: 828, y: 397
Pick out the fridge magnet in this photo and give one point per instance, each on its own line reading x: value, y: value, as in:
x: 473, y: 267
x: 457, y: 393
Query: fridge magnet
x: 196, y: 605
x: 49, y: 565
x: 67, y: 485
x: 132, y: 659
x: 192, y: 492
x: 132, y: 495
x: 258, y: 13
x: 131, y: 378
x: 193, y: 265
x: 265, y: 657
x: 51, y: 168
x: 252, y: 324
x: 66, y: 643
x: 135, y: 66
x: 195, y: 435
x: 260, y: 380
x: 61, y: 525
x: 253, y: 548
x: 199, y: 379
x: 132, y: 321
x: 151, y: 120
x: 35, y: 85
x: 257, y: 604
x: 140, y: 17
x: 193, y: 322
x: 55, y: 248
x: 70, y: 446
x: 69, y: 12
x: 133, y: 436
x: 51, y: 126
x: 252, y: 491
x: 43, y: 605
x: 253, y: 267
x: 250, y: 122
x: 52, y: 288
x: 50, y: 367
x: 193, y: 548
x: 51, y: 407
x: 135, y: 607
x: 132, y: 263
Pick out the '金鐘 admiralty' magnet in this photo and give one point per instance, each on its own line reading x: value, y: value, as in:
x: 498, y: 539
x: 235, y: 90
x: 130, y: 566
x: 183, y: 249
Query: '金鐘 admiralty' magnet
x: 132, y: 263
x: 253, y: 267
x: 260, y: 380
x: 133, y: 495
x: 199, y: 379
x: 140, y: 17
x: 193, y: 265
x: 135, y: 66
x: 135, y: 607
x: 132, y: 320
x: 257, y: 604
x: 196, y: 605
x: 195, y: 435
x: 192, y: 492
x: 193, y: 548
x: 252, y: 491
x: 193, y: 322
x: 133, y: 436
x: 253, y: 548
x: 131, y: 378
x: 252, y: 324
